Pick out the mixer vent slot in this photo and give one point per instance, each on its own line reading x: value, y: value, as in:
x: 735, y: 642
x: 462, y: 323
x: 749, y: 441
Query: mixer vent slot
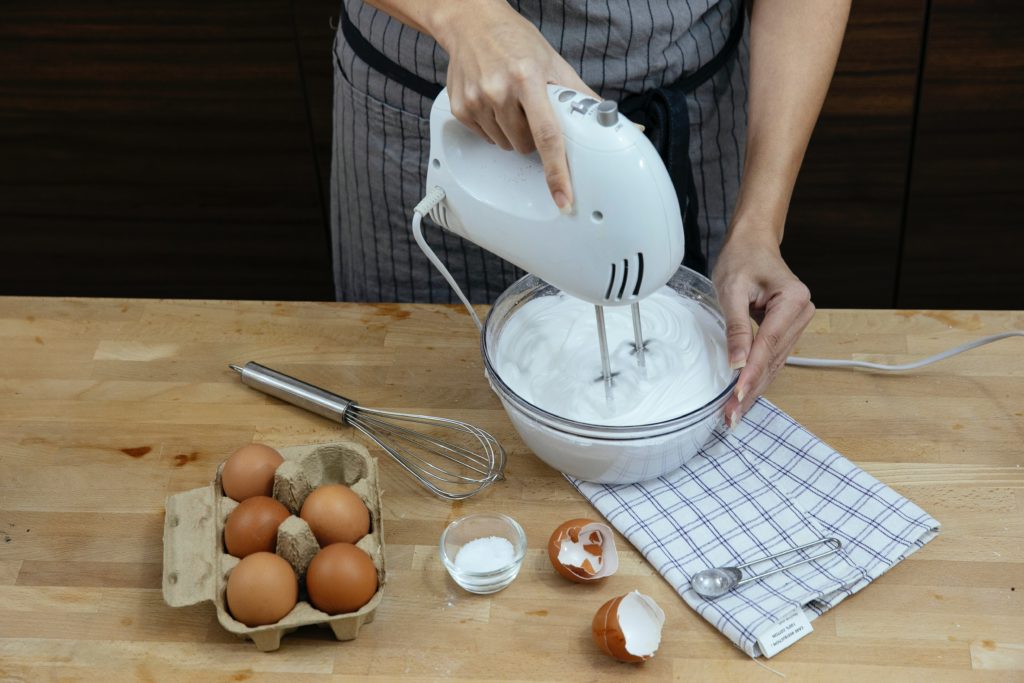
x: 619, y: 285
x: 440, y: 215
x: 625, y: 276
x: 639, y: 273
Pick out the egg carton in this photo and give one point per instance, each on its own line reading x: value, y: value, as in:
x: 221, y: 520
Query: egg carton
x: 197, y: 566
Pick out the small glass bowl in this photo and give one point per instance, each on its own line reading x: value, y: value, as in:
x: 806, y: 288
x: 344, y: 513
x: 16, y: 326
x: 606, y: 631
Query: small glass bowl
x: 469, y: 528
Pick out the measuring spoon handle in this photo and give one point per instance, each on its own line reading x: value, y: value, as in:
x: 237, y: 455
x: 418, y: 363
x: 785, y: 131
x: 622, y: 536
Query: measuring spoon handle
x: 837, y: 548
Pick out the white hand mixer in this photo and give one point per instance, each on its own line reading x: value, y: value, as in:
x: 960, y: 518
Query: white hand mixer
x: 623, y: 239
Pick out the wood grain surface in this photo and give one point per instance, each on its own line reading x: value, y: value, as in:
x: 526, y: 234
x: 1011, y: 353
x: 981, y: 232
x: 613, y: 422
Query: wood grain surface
x: 108, y: 406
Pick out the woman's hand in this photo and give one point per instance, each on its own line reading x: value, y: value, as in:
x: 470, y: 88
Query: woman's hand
x: 498, y: 71
x: 754, y: 283
x: 793, y: 50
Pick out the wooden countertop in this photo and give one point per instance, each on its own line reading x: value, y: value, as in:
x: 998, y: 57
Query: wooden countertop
x: 107, y: 406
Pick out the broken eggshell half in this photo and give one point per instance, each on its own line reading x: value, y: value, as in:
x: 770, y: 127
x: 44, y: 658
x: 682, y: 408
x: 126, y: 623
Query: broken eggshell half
x: 583, y: 550
x: 629, y: 627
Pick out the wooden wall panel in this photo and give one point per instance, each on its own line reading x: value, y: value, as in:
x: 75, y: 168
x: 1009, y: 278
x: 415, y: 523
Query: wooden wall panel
x: 843, y: 231
x: 156, y: 149
x: 965, y: 220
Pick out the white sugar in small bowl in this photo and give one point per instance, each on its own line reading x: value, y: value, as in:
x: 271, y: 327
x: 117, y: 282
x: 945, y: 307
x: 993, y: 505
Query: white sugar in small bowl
x: 484, y: 552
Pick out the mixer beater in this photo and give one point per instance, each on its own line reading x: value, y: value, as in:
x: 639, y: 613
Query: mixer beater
x: 602, y: 341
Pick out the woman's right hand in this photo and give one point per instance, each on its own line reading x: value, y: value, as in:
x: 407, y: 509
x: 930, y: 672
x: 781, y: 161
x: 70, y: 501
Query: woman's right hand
x: 498, y: 71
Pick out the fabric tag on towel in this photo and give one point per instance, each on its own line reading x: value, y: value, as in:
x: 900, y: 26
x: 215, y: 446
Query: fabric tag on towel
x: 766, y: 487
x: 784, y: 633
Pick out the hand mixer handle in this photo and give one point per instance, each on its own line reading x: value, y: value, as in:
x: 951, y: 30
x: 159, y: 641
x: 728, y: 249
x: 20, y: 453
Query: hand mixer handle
x: 294, y: 391
x: 622, y: 241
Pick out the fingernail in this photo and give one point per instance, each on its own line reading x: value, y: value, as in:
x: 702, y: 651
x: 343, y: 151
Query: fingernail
x: 740, y: 393
x: 734, y: 421
x: 737, y: 361
x: 562, y: 201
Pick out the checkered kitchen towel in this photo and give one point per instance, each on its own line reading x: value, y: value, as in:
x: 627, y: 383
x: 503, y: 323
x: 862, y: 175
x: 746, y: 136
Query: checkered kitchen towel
x: 768, y: 486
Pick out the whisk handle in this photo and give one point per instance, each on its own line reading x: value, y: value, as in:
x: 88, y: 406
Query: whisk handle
x: 294, y: 391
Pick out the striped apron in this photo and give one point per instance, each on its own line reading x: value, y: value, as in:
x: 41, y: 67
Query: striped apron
x: 624, y: 50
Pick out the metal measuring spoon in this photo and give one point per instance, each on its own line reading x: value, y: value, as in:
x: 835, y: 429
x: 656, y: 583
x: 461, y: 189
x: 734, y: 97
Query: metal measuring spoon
x: 716, y: 582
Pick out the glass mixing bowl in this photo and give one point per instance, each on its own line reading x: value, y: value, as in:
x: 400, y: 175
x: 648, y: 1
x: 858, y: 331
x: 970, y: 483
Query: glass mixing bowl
x: 600, y: 453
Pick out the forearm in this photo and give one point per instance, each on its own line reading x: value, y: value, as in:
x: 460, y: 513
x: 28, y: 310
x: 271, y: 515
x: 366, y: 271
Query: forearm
x: 437, y: 18
x: 793, y: 50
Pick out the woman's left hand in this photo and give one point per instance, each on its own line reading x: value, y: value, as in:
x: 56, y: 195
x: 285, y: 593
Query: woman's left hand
x: 755, y: 284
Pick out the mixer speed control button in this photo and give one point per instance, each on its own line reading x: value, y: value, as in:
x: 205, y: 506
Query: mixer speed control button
x: 608, y: 113
x: 584, y: 105
x: 566, y: 95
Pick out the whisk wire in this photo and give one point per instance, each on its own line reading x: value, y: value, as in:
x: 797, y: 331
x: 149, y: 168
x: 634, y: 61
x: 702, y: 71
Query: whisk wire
x: 493, y: 457
x: 419, y: 475
x: 456, y: 425
x: 425, y: 441
x: 452, y: 477
x: 397, y: 457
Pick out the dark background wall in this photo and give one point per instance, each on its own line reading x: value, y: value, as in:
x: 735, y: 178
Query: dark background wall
x: 169, y: 148
x: 181, y: 149
x: 909, y: 196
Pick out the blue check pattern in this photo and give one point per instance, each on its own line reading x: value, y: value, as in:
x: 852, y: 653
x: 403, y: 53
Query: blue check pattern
x: 768, y: 486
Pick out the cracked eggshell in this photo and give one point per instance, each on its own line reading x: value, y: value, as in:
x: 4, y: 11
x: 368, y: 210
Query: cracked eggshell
x: 583, y: 550
x: 629, y: 627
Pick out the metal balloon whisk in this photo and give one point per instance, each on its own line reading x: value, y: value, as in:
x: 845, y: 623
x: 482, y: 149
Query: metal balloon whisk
x: 456, y: 467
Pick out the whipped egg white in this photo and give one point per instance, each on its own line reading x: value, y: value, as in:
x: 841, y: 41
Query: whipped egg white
x: 548, y: 355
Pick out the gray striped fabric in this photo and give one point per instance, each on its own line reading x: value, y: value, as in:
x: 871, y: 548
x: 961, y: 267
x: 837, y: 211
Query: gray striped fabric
x: 381, y: 134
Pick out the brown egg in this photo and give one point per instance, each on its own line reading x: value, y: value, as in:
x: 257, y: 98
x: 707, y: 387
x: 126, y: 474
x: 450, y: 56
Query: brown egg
x: 335, y: 514
x: 252, y: 526
x: 341, y: 578
x: 262, y: 589
x: 629, y: 627
x: 249, y: 472
x: 583, y: 550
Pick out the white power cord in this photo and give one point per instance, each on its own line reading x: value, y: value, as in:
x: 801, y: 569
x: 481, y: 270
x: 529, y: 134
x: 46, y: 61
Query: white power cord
x: 434, y: 197
x: 835, y: 363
